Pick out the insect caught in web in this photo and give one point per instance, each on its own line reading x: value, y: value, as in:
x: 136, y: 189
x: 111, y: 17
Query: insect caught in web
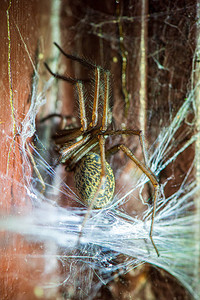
x: 82, y: 148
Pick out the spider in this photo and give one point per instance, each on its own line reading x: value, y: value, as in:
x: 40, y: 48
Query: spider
x: 82, y: 148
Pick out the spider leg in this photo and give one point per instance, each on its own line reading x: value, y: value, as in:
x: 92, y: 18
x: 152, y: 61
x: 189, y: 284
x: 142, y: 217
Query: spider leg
x: 76, y: 58
x: 79, y: 86
x: 64, y: 119
x: 130, y: 132
x: 67, y: 135
x: 66, y: 152
x: 81, y: 152
x: 56, y: 75
x: 96, y: 98
x: 151, y: 177
x: 106, y: 98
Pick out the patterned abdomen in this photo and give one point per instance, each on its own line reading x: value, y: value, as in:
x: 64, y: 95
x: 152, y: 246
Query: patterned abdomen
x: 87, y: 180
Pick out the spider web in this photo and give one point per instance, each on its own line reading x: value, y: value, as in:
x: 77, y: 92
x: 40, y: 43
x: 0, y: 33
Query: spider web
x: 116, y: 239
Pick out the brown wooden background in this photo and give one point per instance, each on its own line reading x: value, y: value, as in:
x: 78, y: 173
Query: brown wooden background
x: 158, y: 40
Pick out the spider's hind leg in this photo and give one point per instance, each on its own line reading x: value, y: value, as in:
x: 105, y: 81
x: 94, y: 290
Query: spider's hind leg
x: 148, y: 173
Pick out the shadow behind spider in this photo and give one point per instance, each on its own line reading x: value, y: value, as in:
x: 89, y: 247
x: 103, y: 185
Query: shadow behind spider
x: 82, y: 149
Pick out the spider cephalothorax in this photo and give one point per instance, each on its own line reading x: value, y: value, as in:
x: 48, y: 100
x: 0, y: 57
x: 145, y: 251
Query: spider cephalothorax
x: 82, y: 149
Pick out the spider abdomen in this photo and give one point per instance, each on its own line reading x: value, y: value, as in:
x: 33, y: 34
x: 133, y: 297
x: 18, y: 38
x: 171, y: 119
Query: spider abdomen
x: 87, y: 180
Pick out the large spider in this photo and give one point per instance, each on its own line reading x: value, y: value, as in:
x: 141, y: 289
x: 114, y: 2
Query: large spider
x: 82, y: 148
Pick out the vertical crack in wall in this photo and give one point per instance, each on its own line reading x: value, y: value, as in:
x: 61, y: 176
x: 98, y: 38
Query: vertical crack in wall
x: 143, y: 65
